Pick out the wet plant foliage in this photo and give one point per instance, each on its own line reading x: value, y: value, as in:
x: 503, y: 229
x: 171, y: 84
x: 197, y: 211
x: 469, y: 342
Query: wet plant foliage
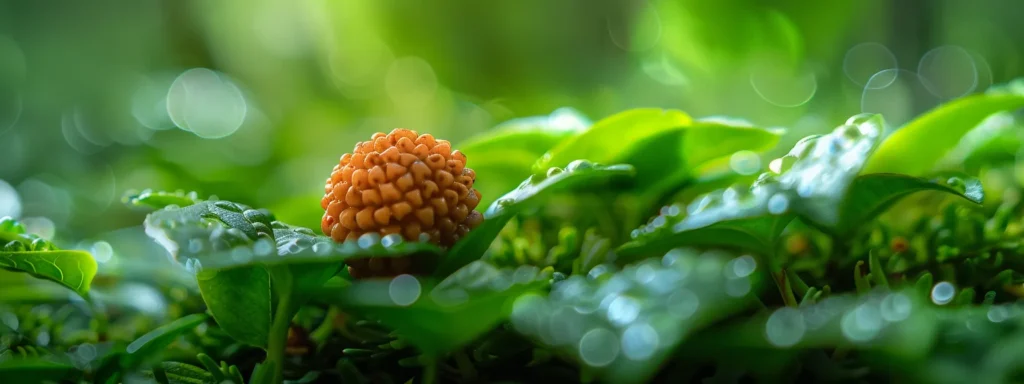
x: 628, y: 249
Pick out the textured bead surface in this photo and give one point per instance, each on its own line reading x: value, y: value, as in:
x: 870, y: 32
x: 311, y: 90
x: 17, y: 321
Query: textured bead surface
x: 405, y: 183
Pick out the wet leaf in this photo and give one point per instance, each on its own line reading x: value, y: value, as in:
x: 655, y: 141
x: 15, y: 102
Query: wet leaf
x: 898, y: 325
x: 151, y: 199
x: 604, y: 141
x: 151, y: 345
x: 240, y: 301
x: 810, y: 182
x: 36, y: 370
x: 505, y: 154
x: 579, y: 175
x: 625, y: 324
x: 439, y: 318
x: 38, y: 257
x: 870, y: 195
x: 915, y: 148
x: 996, y: 140
x: 181, y: 373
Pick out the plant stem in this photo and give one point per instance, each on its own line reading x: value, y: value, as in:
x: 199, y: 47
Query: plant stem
x: 278, y: 338
x: 430, y: 371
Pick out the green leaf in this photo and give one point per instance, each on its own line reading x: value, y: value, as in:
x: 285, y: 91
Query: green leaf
x: 750, y: 219
x: 506, y: 154
x: 682, y: 151
x: 441, y: 318
x: 579, y: 175
x: 612, y: 139
x: 810, y: 181
x: 240, y: 301
x: 915, y: 148
x: 151, y: 345
x: 996, y: 140
x: 870, y: 195
x: 181, y: 373
x: 40, y: 258
x: 896, y: 324
x: 151, y: 199
x: 36, y: 370
x: 624, y: 324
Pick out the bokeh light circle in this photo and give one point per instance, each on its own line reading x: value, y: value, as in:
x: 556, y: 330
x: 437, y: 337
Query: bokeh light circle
x: 948, y: 72
x: 898, y: 95
x: 865, y: 60
x: 782, y: 86
x: 10, y: 202
x: 206, y: 103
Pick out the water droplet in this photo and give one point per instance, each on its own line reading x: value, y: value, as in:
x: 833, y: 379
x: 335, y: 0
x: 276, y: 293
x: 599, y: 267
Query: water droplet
x: 741, y: 266
x: 783, y: 164
x: 862, y: 324
x: 896, y: 307
x: 598, y: 347
x: 578, y: 165
x: 639, y: 341
x: 943, y: 292
x: 998, y: 314
x: 404, y: 290
x: 553, y: 171
x: 241, y: 255
x: 368, y: 240
x: 526, y: 311
x: 785, y: 327
x: 10, y: 320
x: 102, y: 251
x: 322, y: 248
x: 623, y: 310
x: 745, y: 162
x: 778, y: 204
x: 683, y: 303
x: 391, y: 240
x: 737, y: 287
x: 957, y: 184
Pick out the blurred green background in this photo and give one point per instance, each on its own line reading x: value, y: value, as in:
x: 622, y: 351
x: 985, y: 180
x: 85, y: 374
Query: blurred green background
x: 255, y: 100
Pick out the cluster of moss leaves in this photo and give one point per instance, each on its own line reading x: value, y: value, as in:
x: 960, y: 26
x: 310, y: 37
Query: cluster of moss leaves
x: 630, y: 252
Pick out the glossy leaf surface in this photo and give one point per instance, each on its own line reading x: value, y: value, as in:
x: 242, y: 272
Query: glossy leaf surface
x: 625, y: 323
x: 915, y: 148
x: 439, y: 318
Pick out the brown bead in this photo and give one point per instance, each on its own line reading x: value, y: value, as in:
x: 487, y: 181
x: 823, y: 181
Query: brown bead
x: 389, y: 193
x: 395, y: 170
x: 382, y: 215
x: 377, y: 176
x: 399, y: 183
x: 401, y: 209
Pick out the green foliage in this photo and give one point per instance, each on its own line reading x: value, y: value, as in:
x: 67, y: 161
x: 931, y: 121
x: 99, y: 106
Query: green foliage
x: 505, y: 155
x: 151, y: 345
x: 440, y: 318
x: 915, y: 148
x: 40, y: 258
x: 625, y: 323
x: 549, y: 287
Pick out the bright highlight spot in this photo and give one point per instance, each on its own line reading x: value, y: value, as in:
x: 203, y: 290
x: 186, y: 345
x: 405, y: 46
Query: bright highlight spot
x: 10, y: 203
x: 206, y: 103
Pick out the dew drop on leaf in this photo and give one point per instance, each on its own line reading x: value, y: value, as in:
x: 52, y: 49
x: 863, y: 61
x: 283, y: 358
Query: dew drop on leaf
x: 943, y: 293
x: 599, y: 347
x: 639, y: 341
x: 785, y: 327
x: 404, y: 290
